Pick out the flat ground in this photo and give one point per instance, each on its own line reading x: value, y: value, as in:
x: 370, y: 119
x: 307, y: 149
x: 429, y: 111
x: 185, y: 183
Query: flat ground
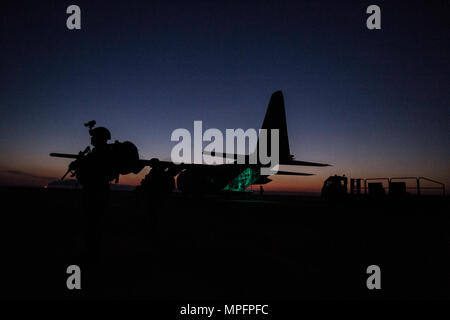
x: 249, y: 247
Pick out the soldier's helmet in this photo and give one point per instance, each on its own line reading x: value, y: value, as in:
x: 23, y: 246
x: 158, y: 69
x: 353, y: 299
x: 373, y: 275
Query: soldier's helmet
x: 99, y: 135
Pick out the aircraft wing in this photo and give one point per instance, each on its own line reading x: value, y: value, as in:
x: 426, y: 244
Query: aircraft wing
x: 144, y: 162
x: 305, y: 163
x: 64, y: 155
x: 287, y: 173
x: 168, y: 164
x: 181, y: 166
x: 289, y: 162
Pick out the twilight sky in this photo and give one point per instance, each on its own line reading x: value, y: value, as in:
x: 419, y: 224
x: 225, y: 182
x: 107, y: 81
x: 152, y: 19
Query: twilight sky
x: 372, y: 103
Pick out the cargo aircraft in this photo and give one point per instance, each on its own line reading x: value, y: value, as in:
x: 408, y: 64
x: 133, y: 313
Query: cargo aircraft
x: 233, y: 175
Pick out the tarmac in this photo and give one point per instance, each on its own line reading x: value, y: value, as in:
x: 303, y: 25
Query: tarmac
x: 243, y: 246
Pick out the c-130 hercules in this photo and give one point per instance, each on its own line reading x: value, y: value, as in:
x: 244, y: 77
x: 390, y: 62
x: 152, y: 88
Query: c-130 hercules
x: 204, y: 178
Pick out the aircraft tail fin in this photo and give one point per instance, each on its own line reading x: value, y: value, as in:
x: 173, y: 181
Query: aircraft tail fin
x: 275, y: 118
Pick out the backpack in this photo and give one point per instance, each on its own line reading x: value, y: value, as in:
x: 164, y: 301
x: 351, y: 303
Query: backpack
x: 125, y: 157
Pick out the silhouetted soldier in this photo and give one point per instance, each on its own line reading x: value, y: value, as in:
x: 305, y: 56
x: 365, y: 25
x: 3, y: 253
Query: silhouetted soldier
x: 94, y: 172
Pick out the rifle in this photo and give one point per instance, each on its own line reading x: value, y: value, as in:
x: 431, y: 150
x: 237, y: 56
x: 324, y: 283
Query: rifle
x: 73, y: 164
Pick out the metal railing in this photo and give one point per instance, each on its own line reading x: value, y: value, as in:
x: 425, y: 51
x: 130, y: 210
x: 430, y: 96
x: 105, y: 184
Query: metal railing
x: 418, y: 186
